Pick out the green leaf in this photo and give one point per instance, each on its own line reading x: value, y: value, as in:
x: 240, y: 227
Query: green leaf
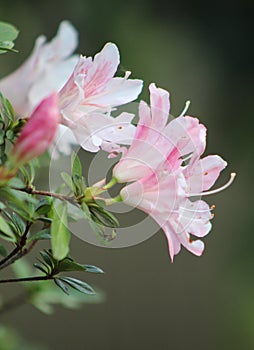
x: 5, y: 228
x: 16, y: 182
x: 93, y: 269
x: 41, y: 268
x: 68, y: 264
x: 95, y: 226
x: 18, y: 209
x: 10, y: 135
x: 8, y: 33
x: 2, y: 136
x: 41, y: 235
x: 76, y: 175
x: 19, y: 200
x: 43, y: 209
x: 60, y: 235
x: 2, y: 206
x: 81, y: 286
x: 76, y: 165
x: 3, y: 251
x: 68, y: 180
x: 61, y: 285
x: 19, y: 223
x: 46, y: 256
x: 104, y: 217
x: 44, y: 295
x: 7, y: 46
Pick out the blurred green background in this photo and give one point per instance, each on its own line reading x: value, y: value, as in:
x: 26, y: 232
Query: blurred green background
x: 200, y: 51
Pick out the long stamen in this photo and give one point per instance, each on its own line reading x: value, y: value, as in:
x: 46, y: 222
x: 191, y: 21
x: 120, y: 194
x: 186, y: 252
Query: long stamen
x: 197, y: 210
x: 186, y: 157
x: 232, y: 177
x: 187, y: 105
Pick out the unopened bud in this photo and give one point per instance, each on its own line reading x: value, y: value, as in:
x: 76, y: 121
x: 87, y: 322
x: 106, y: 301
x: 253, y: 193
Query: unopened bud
x: 38, y: 133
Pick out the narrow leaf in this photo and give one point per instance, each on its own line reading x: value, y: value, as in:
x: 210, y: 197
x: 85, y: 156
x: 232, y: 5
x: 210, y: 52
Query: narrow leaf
x: 81, y: 286
x: 5, y: 228
x: 61, y: 285
x: 3, y: 251
x: 93, y: 269
x: 41, y: 235
x: 68, y: 180
x: 76, y: 165
x: 60, y: 235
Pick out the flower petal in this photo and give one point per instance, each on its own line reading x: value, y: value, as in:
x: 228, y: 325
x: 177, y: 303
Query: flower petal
x: 203, y: 174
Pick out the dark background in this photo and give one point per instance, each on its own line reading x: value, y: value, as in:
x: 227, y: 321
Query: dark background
x: 202, y: 51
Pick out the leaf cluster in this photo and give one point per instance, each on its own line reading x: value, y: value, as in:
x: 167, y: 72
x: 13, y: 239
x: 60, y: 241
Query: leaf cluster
x: 8, y: 33
x: 52, y: 268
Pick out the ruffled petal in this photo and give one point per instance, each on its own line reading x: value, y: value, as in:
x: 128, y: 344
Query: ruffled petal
x: 159, y: 100
x: 195, y: 217
x: 204, y: 173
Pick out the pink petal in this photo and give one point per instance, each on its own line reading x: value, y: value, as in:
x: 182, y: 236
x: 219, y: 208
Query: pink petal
x: 195, y: 217
x: 159, y: 100
x: 103, y: 69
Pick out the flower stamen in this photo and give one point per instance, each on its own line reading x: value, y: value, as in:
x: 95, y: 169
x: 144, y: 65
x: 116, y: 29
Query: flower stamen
x: 187, y: 105
x: 232, y: 177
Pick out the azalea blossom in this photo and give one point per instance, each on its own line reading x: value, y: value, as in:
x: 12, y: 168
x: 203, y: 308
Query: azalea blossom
x: 164, y: 163
x: 93, y: 87
x: 46, y: 70
x: 87, y: 89
x: 91, y: 93
x: 156, y: 141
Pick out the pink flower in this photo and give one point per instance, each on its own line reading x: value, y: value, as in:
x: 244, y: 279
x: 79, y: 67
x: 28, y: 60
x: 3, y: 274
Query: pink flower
x: 38, y: 133
x: 93, y: 87
x: 164, y: 163
x: 91, y: 93
x: 98, y: 131
x: 46, y: 70
x: 165, y: 197
x: 157, y: 142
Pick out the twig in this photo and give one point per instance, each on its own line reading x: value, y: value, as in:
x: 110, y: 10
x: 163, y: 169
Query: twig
x: 18, y: 251
x: 27, y: 279
x: 46, y: 193
x: 18, y: 255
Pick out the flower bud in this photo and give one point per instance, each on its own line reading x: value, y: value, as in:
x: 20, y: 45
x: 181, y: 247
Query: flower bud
x: 38, y: 133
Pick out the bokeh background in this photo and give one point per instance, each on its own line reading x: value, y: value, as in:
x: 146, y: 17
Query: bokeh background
x: 201, y: 51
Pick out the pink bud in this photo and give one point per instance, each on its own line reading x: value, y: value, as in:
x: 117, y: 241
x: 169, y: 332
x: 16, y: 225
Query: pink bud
x: 38, y: 133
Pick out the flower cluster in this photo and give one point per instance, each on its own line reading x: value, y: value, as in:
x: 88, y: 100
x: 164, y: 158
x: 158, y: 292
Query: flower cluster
x: 59, y: 93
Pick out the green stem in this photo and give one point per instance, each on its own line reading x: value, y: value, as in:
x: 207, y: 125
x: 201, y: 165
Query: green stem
x: 110, y: 184
x: 19, y: 254
x: 18, y: 251
x: 110, y: 201
x: 46, y: 193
